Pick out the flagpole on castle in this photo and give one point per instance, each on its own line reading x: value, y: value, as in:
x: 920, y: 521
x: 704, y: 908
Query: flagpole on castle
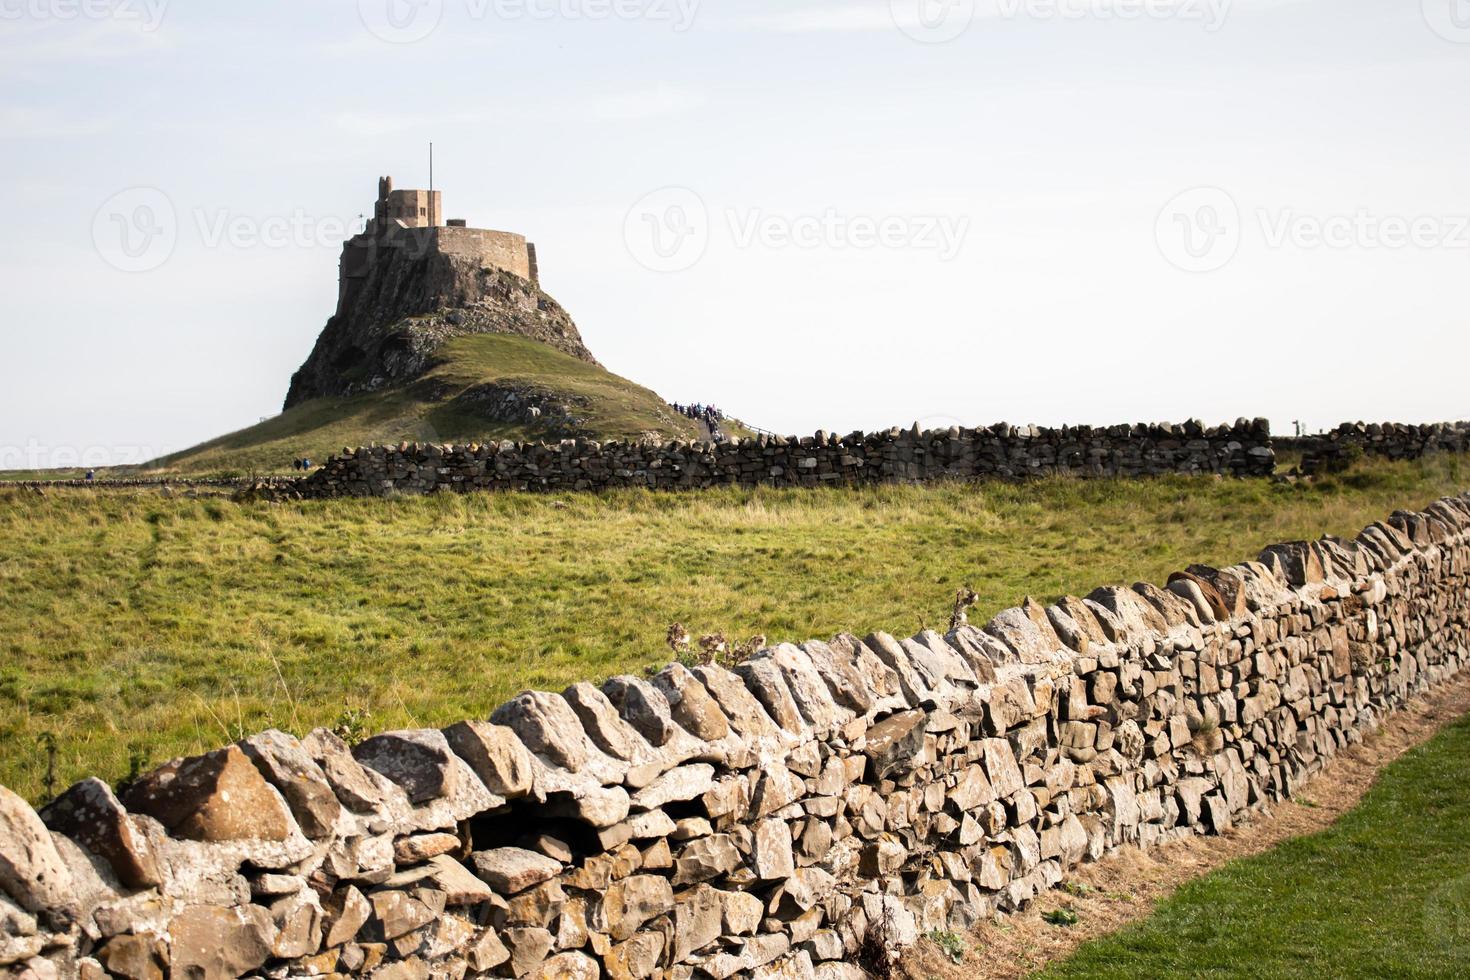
x: 433, y: 218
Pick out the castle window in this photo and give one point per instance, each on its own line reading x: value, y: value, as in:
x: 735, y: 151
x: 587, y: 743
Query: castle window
x: 423, y: 212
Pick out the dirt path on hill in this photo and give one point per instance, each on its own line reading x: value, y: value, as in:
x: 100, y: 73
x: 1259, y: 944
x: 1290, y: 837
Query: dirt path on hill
x: 1126, y: 886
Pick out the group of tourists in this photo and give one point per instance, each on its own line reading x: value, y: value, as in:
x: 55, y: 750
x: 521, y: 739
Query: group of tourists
x: 701, y: 413
x: 302, y: 465
x: 707, y: 414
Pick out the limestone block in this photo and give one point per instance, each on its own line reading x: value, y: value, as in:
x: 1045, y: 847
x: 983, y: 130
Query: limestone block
x: 510, y: 870
x: 91, y: 815
x: 495, y: 755
x: 288, y: 767
x: 219, y: 796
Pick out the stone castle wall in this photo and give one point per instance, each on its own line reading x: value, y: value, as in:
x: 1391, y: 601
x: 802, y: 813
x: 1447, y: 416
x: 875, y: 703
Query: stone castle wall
x: 754, y: 822
x: 499, y: 249
x: 895, y: 456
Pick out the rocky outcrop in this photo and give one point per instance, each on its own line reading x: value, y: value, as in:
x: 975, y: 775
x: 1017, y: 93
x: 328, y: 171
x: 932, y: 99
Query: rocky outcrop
x: 896, y: 456
x: 756, y: 822
x: 387, y: 332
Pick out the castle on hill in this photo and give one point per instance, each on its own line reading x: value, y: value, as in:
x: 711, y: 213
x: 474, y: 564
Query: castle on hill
x: 413, y: 221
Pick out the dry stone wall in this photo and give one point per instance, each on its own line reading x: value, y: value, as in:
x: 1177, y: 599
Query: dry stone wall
x: 1390, y: 440
x: 894, y: 456
x: 755, y: 822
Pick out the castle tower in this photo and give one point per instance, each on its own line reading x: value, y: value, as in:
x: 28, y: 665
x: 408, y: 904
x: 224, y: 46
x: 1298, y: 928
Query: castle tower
x: 407, y: 208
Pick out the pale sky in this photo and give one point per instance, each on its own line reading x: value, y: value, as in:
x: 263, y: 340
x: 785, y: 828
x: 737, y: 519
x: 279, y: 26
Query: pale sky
x: 837, y: 214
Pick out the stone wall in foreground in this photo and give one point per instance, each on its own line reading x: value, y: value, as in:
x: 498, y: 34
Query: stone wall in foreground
x: 759, y: 822
x: 895, y: 456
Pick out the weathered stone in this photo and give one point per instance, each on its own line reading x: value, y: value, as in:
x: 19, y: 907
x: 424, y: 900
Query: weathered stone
x: 570, y: 966
x: 209, y: 943
x: 771, y: 857
x: 633, y: 901
x: 744, y: 711
x: 894, y: 743
x: 421, y: 847
x: 419, y: 761
x: 608, y: 731
x: 219, y: 796
x: 676, y: 785
x: 765, y: 680
x: 287, y: 766
x: 529, y: 948
x: 699, y: 919
x: 510, y: 870
x: 548, y: 726
x: 298, y: 922
x: 1000, y: 767
x: 644, y: 707
x: 455, y: 882
x: 691, y: 704
x: 135, y: 957
x: 837, y: 665
x: 89, y: 814
x: 805, y: 684
x: 396, y: 914
x: 355, y: 789
x: 635, y: 959
x: 705, y: 858
x: 346, y: 912
x: 599, y: 807
x: 495, y: 755
x: 487, y: 952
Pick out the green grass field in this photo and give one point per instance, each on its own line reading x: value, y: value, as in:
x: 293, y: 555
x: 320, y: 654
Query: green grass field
x: 1385, y: 892
x: 135, y: 627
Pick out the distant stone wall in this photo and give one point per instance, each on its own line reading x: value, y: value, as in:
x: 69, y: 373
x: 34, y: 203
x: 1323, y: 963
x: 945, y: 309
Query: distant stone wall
x: 757, y: 822
x: 895, y: 456
x: 1389, y: 440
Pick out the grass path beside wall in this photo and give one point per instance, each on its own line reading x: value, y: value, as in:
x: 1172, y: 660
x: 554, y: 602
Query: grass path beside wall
x: 134, y: 627
x: 1384, y: 893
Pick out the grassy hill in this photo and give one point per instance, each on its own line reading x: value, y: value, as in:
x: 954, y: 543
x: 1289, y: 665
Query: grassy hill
x: 441, y: 407
x: 137, y: 626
